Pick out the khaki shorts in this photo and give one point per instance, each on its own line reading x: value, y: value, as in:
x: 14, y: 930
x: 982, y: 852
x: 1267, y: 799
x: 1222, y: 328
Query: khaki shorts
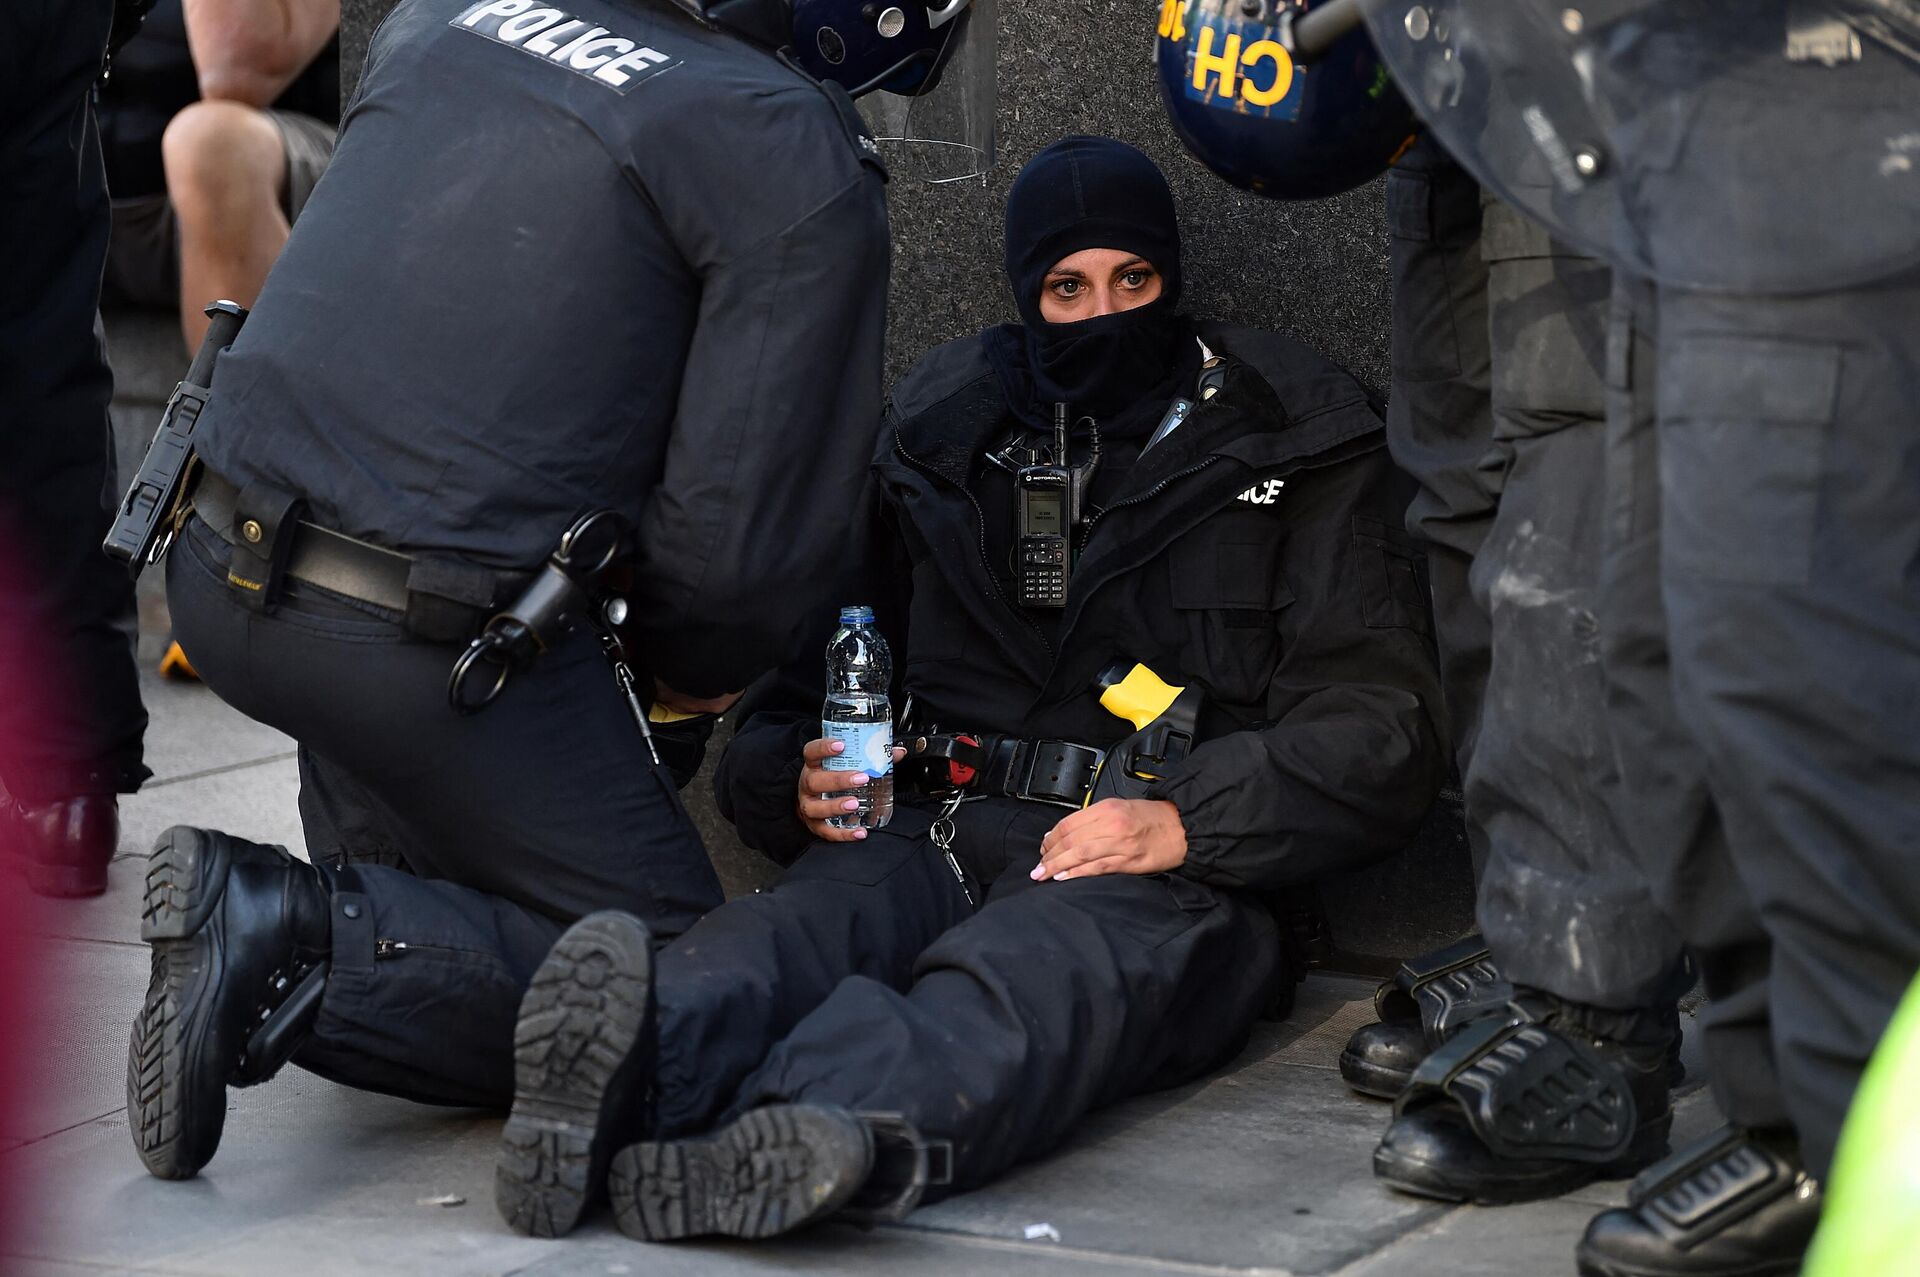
x: 143, y: 254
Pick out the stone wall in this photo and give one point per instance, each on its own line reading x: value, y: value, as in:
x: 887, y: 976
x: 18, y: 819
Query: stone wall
x: 1315, y: 270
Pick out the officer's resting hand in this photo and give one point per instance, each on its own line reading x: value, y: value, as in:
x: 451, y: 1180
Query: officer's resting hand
x: 1114, y: 836
x: 816, y: 781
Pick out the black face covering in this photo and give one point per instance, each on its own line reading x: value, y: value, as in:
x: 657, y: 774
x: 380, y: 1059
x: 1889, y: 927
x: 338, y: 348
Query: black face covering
x: 1122, y: 369
x: 1103, y: 367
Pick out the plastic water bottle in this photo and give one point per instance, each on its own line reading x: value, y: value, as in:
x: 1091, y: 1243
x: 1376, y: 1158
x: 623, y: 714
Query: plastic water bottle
x: 859, y: 712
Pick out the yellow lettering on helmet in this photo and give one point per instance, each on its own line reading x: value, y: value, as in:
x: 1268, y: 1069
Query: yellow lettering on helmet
x: 1172, y: 20
x: 1225, y: 64
x: 1282, y: 73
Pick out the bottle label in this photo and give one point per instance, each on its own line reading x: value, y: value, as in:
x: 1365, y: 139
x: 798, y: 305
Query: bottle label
x: 869, y: 747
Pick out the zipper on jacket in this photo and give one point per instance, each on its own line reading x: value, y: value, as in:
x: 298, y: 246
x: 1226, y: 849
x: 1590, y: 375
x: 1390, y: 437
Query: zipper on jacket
x: 980, y: 527
x: 1086, y: 529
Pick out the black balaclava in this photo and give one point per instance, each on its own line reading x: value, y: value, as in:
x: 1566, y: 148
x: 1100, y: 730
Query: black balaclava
x: 1122, y: 369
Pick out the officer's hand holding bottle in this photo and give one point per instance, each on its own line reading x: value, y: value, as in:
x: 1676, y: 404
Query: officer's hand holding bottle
x: 1114, y: 836
x: 823, y: 794
x: 847, y: 777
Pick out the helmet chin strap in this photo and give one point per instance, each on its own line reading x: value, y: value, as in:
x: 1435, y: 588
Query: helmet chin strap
x: 765, y: 22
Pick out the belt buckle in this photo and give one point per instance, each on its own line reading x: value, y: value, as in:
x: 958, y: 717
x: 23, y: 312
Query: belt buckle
x: 1068, y: 753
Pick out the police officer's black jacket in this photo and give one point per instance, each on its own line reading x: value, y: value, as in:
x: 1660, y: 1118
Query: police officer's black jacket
x: 593, y: 254
x: 1257, y: 552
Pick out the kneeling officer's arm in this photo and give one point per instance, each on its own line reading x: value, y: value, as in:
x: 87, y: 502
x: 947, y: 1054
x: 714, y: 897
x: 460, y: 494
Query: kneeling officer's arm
x: 772, y: 434
x: 1351, y: 757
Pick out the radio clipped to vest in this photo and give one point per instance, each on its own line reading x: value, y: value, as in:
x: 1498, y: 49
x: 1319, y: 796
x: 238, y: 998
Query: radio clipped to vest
x: 151, y: 511
x: 1050, y: 500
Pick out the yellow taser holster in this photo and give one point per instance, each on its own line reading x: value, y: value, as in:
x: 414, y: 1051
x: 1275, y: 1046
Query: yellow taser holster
x: 1166, y: 720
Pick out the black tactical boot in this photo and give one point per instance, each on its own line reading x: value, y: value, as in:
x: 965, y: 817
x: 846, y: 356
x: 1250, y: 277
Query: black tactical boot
x: 64, y: 843
x: 1425, y: 1003
x: 240, y: 936
x: 1428, y: 1000
x: 583, y: 1073
x: 1528, y: 1106
x: 773, y: 1170
x: 1730, y: 1205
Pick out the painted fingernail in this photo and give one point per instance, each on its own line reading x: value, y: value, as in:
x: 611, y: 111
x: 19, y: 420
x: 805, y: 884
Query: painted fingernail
x: 858, y: 778
x: 859, y: 834
x: 852, y: 804
x: 1039, y: 872
x: 837, y: 747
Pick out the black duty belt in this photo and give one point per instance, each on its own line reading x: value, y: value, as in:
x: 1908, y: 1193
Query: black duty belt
x: 439, y: 600
x: 1042, y: 771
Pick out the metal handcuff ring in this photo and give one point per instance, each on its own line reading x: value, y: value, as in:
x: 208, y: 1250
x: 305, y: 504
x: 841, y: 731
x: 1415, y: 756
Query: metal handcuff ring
x: 553, y: 601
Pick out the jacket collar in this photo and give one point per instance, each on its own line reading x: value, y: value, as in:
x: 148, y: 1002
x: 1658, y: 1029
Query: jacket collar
x: 945, y: 437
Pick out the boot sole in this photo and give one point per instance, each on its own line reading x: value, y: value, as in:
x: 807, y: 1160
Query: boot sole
x: 770, y: 1172
x: 1423, y: 1179
x: 579, y: 1073
x: 186, y: 876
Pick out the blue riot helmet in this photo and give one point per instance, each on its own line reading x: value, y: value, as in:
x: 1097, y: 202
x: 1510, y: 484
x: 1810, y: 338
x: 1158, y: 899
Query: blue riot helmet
x: 1245, y: 108
x: 862, y: 45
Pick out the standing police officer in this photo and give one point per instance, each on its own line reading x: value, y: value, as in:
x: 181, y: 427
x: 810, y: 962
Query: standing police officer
x: 74, y: 741
x: 1760, y: 629
x: 602, y: 256
x: 1497, y: 406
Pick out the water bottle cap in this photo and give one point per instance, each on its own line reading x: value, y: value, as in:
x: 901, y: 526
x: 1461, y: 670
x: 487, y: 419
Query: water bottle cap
x: 858, y: 614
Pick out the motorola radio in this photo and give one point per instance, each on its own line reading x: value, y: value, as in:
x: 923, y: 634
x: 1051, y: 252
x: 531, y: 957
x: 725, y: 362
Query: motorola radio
x: 1049, y: 499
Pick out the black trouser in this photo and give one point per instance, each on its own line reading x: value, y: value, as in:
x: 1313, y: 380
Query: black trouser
x: 865, y: 979
x: 1499, y: 347
x: 72, y: 721
x: 514, y: 822
x: 1440, y: 416
x: 1763, y: 610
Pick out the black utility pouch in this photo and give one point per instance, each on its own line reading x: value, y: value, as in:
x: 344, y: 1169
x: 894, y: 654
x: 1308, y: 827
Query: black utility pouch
x: 265, y: 518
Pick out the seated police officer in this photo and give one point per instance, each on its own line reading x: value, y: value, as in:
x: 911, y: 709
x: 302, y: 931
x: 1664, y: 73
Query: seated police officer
x: 922, y: 1006
x: 618, y: 257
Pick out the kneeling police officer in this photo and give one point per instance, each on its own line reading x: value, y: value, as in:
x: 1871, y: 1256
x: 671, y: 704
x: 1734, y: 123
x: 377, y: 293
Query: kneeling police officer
x: 915, y: 1010
x: 597, y: 256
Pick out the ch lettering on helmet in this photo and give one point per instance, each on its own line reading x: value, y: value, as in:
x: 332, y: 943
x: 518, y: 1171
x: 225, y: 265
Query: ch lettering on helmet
x: 557, y: 37
x: 1266, y: 493
x: 1233, y: 64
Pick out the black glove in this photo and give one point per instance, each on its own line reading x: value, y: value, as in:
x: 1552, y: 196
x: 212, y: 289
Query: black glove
x: 682, y: 744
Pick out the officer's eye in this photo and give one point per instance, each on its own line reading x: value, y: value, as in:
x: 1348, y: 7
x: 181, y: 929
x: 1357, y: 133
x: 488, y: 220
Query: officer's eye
x: 1065, y: 288
x: 1136, y: 278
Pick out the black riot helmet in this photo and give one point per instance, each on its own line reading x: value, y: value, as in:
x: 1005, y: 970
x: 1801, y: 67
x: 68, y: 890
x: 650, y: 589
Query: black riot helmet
x: 1250, y: 112
x: 862, y: 45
